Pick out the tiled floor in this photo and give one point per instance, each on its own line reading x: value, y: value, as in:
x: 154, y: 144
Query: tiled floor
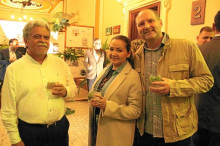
x: 78, y: 131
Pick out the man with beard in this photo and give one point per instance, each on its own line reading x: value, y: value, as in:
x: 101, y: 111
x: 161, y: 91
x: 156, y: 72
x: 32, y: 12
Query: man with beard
x: 8, y: 56
x: 11, y: 54
x: 33, y: 105
x: 94, y: 62
x: 171, y: 71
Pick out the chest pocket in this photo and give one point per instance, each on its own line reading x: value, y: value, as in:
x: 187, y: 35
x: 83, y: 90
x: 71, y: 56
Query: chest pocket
x: 179, y: 71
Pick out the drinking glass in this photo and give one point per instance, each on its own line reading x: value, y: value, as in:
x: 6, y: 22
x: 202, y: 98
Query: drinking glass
x: 154, y: 78
x: 92, y: 93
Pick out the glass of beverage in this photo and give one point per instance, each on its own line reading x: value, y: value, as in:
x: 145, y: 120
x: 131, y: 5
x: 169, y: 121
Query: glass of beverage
x: 50, y: 85
x: 153, y: 78
x: 92, y: 93
x: 53, y: 82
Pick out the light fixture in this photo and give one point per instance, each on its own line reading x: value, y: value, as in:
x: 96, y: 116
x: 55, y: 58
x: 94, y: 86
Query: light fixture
x: 25, y: 3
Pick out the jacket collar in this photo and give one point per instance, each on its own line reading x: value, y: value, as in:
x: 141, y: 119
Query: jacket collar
x: 165, y: 41
x: 117, y: 81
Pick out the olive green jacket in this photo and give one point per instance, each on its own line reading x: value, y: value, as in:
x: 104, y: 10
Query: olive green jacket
x: 183, y: 64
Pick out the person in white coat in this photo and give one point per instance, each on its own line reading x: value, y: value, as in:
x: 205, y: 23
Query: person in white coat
x: 94, y: 62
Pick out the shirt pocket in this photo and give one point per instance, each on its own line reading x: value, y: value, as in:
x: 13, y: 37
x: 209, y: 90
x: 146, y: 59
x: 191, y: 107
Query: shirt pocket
x: 178, y: 71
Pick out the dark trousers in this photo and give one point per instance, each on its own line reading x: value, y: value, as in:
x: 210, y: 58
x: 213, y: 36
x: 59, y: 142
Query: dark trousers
x: 43, y: 135
x: 205, y: 137
x: 149, y: 140
x: 90, y: 83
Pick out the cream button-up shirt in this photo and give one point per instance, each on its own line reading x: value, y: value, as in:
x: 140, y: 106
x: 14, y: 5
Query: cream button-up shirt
x: 25, y: 94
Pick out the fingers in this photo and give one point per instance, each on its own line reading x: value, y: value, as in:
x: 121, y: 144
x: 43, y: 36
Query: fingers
x: 59, y: 90
x: 163, y: 87
x: 98, y: 95
x: 98, y: 102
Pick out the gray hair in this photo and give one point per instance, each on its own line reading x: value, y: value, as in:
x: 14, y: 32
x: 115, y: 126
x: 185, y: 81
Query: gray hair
x: 34, y: 23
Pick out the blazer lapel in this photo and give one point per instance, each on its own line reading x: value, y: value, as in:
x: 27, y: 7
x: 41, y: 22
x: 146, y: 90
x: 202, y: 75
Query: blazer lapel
x: 117, y: 81
x: 99, y: 77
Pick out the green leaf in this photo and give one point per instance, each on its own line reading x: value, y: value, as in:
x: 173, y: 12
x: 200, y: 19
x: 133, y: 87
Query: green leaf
x: 69, y: 111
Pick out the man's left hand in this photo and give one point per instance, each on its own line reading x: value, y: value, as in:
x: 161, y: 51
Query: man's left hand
x: 163, y: 87
x: 59, y: 90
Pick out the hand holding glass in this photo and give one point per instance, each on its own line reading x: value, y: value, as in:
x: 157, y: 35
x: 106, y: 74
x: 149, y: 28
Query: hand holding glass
x: 154, y: 79
x: 92, y: 95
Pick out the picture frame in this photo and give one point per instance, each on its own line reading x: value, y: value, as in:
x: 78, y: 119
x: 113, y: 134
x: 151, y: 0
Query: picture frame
x: 116, y: 29
x: 108, y: 31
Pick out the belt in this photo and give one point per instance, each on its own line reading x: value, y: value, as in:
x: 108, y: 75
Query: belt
x: 41, y: 125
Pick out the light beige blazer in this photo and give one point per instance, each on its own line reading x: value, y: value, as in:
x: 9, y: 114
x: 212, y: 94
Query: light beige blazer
x: 116, y: 124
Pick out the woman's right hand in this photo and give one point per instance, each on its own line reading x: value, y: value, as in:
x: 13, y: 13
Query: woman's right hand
x: 98, y: 101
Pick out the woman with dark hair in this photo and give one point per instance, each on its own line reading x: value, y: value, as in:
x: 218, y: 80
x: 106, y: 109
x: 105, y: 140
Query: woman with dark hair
x: 114, y: 110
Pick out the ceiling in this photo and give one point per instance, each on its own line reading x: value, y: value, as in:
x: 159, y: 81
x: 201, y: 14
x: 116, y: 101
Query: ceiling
x: 43, y: 5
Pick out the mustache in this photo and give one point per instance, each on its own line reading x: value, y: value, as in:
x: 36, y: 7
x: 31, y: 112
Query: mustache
x: 42, y: 44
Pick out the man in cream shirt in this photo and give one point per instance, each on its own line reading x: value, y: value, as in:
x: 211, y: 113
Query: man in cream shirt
x: 33, y: 105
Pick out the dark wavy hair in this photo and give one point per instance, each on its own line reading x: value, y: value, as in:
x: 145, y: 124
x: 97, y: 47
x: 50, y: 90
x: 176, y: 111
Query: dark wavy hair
x: 128, y: 47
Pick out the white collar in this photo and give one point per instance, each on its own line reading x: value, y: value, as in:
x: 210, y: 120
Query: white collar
x: 217, y: 35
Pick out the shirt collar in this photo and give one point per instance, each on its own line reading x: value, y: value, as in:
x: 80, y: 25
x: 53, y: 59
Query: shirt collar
x: 28, y: 56
x: 217, y: 35
x: 117, y: 71
x: 164, y: 40
x: 11, y: 50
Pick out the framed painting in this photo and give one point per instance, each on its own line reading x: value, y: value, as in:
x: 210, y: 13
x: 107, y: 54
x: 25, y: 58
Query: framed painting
x: 116, y: 29
x: 108, y: 31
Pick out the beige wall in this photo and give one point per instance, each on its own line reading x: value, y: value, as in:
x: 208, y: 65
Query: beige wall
x: 85, y: 10
x: 179, y: 18
x: 112, y: 16
x: 176, y: 21
x: 58, y: 8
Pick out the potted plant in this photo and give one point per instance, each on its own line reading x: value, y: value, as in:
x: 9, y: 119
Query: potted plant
x: 59, y: 21
x: 4, y: 45
x: 59, y: 24
x: 69, y: 55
